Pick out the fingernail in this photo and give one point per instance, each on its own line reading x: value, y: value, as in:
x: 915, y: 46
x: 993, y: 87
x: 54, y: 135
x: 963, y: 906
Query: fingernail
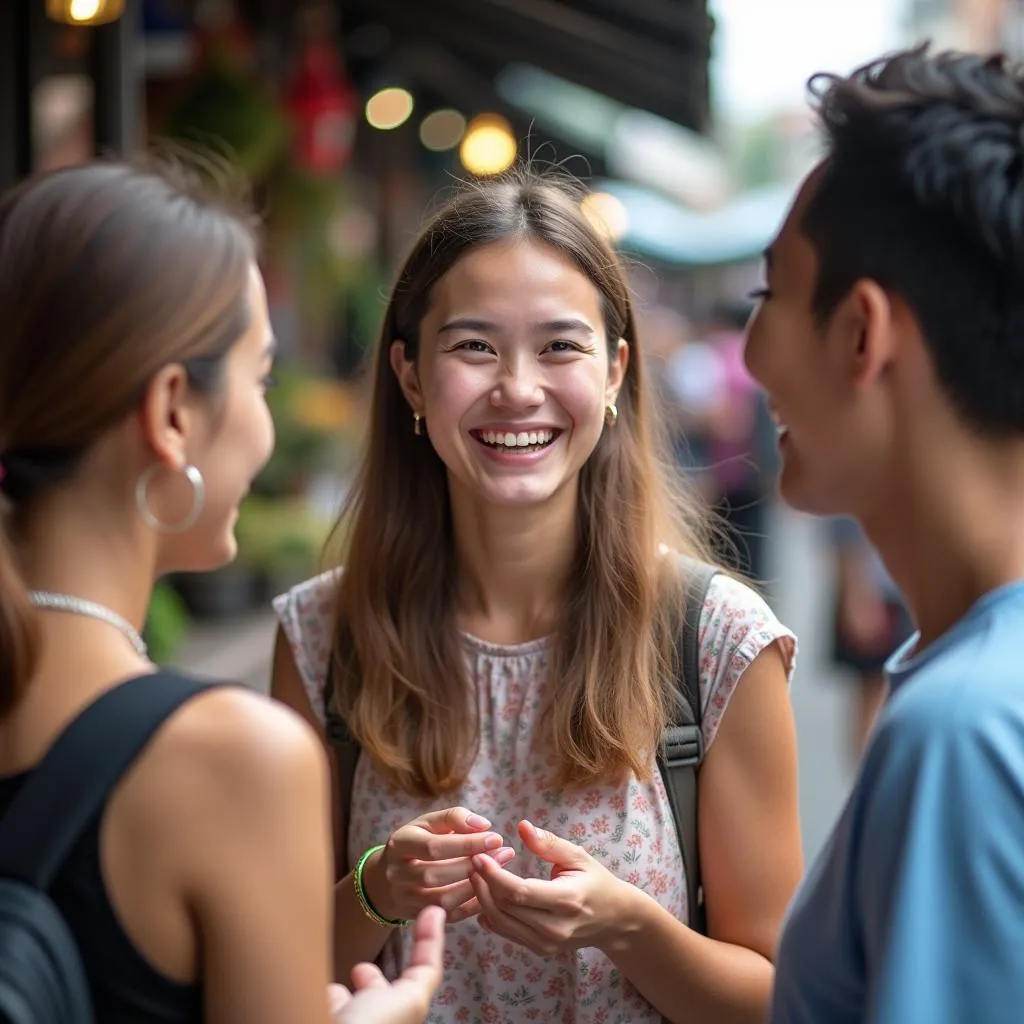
x: 475, y: 821
x: 492, y: 841
x: 480, y: 862
x: 504, y: 855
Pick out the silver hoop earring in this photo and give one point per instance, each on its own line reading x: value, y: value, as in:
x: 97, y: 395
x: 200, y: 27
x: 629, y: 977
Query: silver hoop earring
x: 417, y: 425
x: 611, y: 414
x: 194, y: 477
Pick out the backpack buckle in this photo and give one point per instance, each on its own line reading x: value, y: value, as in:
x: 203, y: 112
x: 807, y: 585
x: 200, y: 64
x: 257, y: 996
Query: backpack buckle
x: 682, y: 746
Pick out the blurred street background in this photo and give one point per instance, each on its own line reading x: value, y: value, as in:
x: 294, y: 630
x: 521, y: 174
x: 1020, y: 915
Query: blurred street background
x: 687, y: 120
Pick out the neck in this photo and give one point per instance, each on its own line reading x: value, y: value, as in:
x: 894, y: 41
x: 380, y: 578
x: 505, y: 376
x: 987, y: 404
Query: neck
x: 513, y: 564
x: 954, y: 531
x: 72, y: 546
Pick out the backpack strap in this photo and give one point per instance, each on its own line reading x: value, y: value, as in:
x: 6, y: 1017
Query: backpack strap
x: 346, y: 755
x: 72, y: 783
x: 683, y: 743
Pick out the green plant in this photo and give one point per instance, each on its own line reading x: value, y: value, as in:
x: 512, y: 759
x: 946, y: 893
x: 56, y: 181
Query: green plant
x: 313, y: 417
x: 166, y: 624
x: 281, y: 537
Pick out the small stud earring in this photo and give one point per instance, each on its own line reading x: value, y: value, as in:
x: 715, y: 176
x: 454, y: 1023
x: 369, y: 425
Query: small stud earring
x: 417, y: 425
x: 611, y: 414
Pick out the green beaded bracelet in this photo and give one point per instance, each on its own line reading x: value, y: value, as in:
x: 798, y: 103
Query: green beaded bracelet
x: 364, y: 901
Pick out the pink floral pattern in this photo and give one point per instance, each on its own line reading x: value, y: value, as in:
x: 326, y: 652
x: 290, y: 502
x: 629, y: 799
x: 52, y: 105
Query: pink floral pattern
x: 628, y: 827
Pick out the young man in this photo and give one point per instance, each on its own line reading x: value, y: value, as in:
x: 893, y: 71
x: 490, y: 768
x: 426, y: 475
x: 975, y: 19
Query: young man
x: 890, y: 340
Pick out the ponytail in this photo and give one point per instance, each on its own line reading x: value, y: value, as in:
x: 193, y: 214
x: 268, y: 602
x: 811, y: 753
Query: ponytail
x: 18, y: 637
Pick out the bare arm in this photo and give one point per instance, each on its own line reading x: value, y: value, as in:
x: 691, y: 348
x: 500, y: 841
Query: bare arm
x: 750, y: 850
x: 356, y: 937
x: 751, y: 863
x: 256, y: 855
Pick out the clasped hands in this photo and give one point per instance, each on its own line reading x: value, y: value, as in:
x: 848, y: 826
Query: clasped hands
x: 453, y: 859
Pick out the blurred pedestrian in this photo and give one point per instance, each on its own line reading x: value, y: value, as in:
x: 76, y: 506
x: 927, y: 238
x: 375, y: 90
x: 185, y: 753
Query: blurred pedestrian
x: 871, y: 622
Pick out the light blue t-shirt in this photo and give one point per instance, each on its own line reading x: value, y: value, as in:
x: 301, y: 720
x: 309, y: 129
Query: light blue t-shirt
x: 914, y: 912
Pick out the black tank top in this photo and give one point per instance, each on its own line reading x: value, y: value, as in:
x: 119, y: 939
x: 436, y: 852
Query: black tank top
x: 126, y: 989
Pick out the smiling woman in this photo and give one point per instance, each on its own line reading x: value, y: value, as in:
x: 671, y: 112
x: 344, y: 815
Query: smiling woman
x: 514, y: 343
x: 500, y: 644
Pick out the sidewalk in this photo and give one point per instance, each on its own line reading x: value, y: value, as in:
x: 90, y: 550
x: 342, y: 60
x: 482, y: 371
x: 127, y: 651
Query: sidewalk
x: 237, y: 649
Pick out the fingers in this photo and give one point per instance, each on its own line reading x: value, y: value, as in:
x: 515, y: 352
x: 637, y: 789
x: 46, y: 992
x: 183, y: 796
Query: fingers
x: 552, y: 848
x: 337, y: 997
x: 414, y: 842
x: 511, y: 891
x: 428, y: 939
x: 415, y: 884
x: 453, y: 819
x: 493, y: 918
x: 435, y: 873
x: 366, y: 976
x: 464, y: 911
x: 429, y: 861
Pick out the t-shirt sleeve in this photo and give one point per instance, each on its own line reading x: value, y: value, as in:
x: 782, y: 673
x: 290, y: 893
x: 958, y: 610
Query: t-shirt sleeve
x: 736, y: 625
x: 306, y: 614
x: 939, y: 875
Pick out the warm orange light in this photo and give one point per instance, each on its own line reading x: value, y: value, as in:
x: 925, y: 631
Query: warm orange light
x: 488, y: 147
x: 84, y: 12
x: 606, y: 214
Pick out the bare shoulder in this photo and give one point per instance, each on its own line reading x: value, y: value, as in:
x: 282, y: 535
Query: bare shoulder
x: 244, y: 739
x: 227, y: 756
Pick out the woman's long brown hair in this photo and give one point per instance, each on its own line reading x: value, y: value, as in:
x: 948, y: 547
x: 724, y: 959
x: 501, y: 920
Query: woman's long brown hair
x: 398, y: 661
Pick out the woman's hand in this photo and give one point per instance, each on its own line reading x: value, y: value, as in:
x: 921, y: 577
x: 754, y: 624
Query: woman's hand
x: 428, y: 863
x: 582, y: 904
x: 405, y: 1001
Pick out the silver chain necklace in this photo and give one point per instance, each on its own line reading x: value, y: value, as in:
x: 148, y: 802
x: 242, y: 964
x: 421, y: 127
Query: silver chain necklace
x: 80, y: 606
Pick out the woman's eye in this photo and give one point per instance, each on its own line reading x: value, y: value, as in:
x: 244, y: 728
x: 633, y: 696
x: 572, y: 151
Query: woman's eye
x: 759, y: 294
x: 563, y: 346
x: 268, y: 382
x: 475, y: 345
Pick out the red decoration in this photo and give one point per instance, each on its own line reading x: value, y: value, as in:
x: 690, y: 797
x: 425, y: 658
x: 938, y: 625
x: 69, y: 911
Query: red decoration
x: 325, y: 107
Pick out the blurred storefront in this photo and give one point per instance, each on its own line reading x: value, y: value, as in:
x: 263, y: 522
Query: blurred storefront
x: 348, y: 117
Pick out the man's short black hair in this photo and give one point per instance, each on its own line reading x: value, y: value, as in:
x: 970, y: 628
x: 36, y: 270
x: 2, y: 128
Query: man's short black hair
x: 922, y: 190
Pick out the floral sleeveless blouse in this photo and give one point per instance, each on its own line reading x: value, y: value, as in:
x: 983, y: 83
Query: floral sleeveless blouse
x: 628, y: 828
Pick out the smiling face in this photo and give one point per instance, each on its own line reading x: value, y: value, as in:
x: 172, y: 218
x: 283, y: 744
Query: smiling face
x: 515, y: 372
x: 827, y: 383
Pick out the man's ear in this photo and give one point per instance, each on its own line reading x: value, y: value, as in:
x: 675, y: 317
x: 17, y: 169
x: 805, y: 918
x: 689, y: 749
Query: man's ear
x: 866, y: 322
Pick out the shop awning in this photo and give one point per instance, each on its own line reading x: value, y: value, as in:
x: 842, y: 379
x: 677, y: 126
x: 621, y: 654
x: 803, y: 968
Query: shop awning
x: 646, y: 54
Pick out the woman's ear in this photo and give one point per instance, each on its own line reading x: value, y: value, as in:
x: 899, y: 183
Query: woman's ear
x: 407, y: 374
x: 166, y: 416
x: 617, y: 370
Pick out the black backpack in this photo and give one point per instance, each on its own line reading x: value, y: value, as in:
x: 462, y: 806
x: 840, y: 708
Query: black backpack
x: 42, y: 980
x: 679, y: 760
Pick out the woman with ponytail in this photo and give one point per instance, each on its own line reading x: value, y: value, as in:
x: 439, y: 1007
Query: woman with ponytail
x: 135, y: 352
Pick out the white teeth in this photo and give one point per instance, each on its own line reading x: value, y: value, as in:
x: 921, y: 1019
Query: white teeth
x: 523, y: 439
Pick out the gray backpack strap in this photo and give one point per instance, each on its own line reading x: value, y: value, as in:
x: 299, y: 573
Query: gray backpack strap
x: 683, y: 745
x: 346, y: 757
